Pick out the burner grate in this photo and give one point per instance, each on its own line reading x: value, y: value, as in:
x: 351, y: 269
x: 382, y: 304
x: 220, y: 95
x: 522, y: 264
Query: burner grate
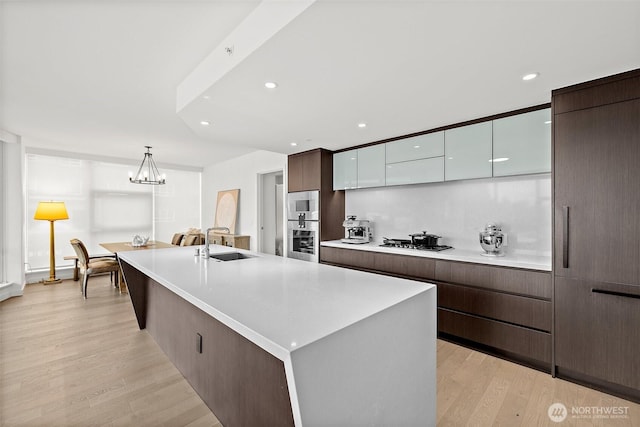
x: 406, y: 244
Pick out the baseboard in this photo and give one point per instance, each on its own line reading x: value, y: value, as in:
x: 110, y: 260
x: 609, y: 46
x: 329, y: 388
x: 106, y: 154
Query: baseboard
x: 36, y: 276
x: 501, y: 354
x: 8, y: 290
x: 597, y: 384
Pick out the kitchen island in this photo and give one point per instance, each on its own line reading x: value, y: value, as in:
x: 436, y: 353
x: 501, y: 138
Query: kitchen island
x: 267, y: 340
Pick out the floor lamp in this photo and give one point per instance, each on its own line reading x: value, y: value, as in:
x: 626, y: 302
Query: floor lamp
x: 51, y: 211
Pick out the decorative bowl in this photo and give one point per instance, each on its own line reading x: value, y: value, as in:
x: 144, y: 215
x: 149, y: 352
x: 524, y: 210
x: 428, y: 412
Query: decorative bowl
x: 139, y: 241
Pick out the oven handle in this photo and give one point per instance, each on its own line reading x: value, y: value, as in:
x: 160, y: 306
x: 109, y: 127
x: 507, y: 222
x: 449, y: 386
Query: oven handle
x: 294, y: 224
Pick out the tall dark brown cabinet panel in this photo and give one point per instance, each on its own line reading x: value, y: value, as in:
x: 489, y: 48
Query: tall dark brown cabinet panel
x: 313, y: 170
x: 596, y: 174
x: 305, y: 171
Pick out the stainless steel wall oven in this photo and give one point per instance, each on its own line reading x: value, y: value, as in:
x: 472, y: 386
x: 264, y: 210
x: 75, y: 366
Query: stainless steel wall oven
x: 303, y: 225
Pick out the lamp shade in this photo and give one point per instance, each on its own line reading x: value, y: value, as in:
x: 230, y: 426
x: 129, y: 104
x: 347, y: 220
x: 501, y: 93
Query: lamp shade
x: 51, y: 211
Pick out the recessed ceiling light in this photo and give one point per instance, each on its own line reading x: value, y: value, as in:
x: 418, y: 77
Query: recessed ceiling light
x: 271, y: 85
x: 205, y: 123
x: 548, y: 122
x: 416, y: 146
x: 499, y: 159
x: 362, y: 125
x: 205, y: 97
x: 293, y: 144
x: 530, y: 76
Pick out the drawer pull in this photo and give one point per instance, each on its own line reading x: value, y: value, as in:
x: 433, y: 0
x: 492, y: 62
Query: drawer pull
x: 618, y: 294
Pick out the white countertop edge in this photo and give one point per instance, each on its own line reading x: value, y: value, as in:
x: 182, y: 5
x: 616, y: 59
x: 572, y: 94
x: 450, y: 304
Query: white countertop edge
x: 256, y: 338
x: 533, y: 263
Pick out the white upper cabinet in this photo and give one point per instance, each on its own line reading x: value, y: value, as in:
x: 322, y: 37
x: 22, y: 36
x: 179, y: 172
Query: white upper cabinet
x: 345, y: 170
x: 416, y: 171
x: 371, y: 165
x: 415, y: 160
x: 416, y: 147
x: 522, y: 143
x: 359, y: 168
x: 514, y: 145
x: 468, y: 152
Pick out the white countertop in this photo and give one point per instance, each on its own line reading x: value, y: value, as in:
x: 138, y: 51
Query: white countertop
x: 509, y: 260
x: 280, y: 304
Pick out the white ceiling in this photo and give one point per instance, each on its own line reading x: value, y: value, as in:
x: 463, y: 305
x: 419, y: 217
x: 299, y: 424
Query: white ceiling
x: 102, y: 77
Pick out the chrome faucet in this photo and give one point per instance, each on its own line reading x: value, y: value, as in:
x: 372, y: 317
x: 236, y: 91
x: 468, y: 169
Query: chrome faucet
x: 205, y: 252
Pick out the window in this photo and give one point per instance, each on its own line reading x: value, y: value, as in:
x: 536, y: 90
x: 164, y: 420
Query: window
x: 177, y: 204
x: 103, y: 205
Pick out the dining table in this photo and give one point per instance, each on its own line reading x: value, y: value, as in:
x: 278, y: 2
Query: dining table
x: 116, y: 247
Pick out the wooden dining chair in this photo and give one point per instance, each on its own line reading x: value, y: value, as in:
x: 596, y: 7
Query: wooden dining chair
x: 191, y: 240
x: 177, y: 239
x: 93, y: 265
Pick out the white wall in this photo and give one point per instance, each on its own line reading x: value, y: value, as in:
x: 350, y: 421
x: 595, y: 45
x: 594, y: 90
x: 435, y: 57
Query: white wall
x: 240, y: 172
x: 458, y: 210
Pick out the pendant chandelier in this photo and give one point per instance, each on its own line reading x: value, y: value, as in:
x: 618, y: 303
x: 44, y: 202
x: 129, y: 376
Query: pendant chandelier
x: 148, y: 172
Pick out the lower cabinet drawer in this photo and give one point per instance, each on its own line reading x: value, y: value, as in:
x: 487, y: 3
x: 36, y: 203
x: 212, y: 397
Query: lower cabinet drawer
x: 406, y: 266
x: 397, y: 265
x: 597, y: 332
x: 347, y: 257
x: 536, y: 284
x: 526, y: 343
x: 523, y: 311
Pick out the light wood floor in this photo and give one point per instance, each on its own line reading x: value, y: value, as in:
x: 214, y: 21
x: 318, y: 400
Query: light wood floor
x: 65, y: 361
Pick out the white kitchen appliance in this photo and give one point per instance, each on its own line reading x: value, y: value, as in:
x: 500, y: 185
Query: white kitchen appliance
x: 493, y: 240
x: 357, y: 231
x: 303, y: 238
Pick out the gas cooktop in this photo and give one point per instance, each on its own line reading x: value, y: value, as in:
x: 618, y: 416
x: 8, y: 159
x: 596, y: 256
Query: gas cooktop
x: 408, y: 244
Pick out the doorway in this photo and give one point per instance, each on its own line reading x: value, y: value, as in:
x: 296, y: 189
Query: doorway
x: 271, y: 213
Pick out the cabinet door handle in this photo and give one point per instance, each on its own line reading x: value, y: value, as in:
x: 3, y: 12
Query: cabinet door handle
x: 618, y: 294
x: 565, y: 237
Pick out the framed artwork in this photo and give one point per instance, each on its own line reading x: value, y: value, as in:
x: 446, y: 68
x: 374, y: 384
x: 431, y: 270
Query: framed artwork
x: 227, y: 210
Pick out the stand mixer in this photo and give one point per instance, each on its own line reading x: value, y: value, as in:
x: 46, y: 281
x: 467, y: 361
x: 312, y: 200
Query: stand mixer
x: 493, y: 240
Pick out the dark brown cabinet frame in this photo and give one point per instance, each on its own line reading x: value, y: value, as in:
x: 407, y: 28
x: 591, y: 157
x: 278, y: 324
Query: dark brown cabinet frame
x: 313, y: 170
x: 596, y: 173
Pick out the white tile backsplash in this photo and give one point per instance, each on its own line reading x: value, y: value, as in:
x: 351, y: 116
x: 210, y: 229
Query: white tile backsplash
x: 459, y: 210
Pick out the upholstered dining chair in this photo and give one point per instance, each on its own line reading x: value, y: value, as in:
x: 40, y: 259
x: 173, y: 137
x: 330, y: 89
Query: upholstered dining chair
x: 191, y: 240
x: 93, y: 265
x: 177, y: 239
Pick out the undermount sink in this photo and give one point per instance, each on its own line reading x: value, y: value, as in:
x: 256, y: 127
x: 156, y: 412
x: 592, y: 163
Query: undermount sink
x: 230, y: 256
